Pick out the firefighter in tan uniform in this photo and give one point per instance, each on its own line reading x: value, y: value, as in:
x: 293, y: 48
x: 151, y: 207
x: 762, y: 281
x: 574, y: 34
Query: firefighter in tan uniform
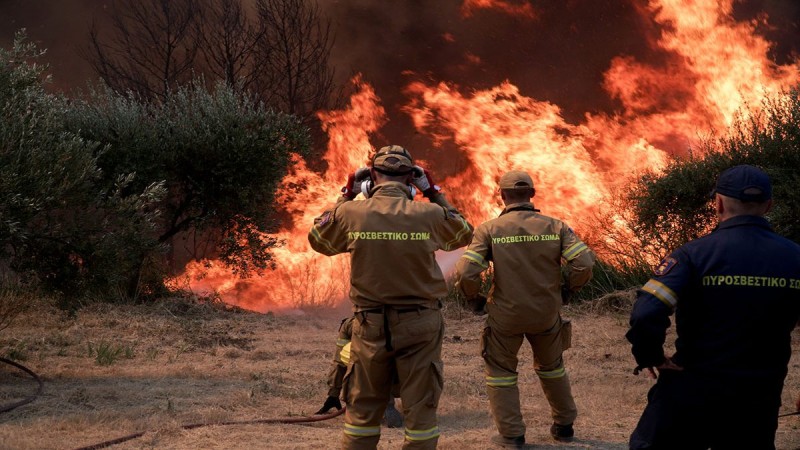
x: 396, y: 291
x: 526, y: 249
x: 341, y: 358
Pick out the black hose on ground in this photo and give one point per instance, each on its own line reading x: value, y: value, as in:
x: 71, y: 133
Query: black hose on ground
x: 10, y: 406
x: 307, y: 419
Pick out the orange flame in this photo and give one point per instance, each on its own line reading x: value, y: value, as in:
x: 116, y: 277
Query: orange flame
x: 524, y: 10
x: 715, y: 67
x: 302, y: 277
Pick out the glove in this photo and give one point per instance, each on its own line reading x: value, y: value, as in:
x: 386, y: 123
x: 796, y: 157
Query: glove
x: 330, y: 402
x: 565, y: 295
x: 354, y: 181
x: 476, y: 304
x: 423, y: 181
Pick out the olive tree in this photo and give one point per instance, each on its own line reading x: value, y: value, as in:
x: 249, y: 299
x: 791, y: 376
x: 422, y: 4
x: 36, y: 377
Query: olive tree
x: 220, y: 155
x: 58, y: 228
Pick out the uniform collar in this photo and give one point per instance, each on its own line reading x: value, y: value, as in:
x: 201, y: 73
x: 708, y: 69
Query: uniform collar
x: 390, y: 189
x: 522, y: 206
x: 738, y: 221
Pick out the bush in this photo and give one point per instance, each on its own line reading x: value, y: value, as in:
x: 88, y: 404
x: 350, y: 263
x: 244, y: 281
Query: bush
x: 220, y: 155
x: 673, y: 207
x: 57, y: 229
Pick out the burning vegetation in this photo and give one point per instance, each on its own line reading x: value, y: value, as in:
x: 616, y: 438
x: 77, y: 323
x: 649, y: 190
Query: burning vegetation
x: 714, y: 69
x: 588, y: 99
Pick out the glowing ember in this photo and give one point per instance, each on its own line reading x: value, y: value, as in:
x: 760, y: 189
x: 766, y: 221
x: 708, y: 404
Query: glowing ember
x: 520, y: 9
x: 714, y: 67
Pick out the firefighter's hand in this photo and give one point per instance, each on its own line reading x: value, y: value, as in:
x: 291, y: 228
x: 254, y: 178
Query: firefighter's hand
x: 424, y: 182
x: 565, y: 295
x: 330, y: 402
x: 354, y: 180
x: 668, y: 364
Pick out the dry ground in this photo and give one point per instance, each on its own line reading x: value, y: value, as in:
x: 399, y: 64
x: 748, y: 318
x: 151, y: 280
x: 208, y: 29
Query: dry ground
x: 180, y: 363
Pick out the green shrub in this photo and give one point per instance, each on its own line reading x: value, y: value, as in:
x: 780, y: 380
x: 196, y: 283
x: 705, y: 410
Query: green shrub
x: 220, y: 155
x: 106, y: 354
x: 58, y: 229
x: 673, y: 207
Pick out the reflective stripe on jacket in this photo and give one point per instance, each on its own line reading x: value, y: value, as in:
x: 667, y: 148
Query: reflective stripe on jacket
x: 392, y: 241
x: 527, y: 249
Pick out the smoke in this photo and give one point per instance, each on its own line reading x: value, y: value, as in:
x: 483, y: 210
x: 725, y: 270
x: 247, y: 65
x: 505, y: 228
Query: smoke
x: 60, y: 28
x: 558, y: 54
x: 601, y: 87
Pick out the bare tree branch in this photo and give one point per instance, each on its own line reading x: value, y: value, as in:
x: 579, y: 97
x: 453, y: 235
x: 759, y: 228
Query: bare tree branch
x: 296, y: 76
x: 228, y: 42
x: 152, y: 47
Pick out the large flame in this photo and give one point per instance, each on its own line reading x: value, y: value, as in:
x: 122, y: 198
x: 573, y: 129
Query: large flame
x: 714, y: 68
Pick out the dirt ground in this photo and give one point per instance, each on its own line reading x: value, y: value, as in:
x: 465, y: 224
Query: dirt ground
x: 110, y: 371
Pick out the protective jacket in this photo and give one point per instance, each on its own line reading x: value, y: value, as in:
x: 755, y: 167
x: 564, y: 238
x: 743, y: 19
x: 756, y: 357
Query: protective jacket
x: 527, y: 249
x: 736, y: 298
x: 401, y: 236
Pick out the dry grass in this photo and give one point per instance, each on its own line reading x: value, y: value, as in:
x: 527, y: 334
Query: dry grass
x: 187, y: 363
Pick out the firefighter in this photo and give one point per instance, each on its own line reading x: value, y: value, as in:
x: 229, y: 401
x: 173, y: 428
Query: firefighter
x: 526, y: 250
x: 735, y: 294
x: 391, y: 417
x: 396, y: 287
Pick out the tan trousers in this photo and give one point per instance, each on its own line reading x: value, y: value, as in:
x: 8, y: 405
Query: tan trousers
x: 415, y: 360
x: 337, y: 369
x: 499, y: 349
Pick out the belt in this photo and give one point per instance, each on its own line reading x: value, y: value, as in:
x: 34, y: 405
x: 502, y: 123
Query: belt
x: 384, y: 310
x: 387, y: 308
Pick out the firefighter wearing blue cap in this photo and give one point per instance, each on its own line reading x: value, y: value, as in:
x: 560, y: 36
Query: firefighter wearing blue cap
x: 735, y: 295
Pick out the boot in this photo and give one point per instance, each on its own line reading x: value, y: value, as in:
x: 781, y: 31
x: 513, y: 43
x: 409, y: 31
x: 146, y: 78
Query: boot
x: 563, y: 433
x: 509, y: 442
x: 392, y: 417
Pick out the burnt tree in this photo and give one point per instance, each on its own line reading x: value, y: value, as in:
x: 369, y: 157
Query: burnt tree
x: 152, y: 46
x: 228, y: 43
x: 296, y: 75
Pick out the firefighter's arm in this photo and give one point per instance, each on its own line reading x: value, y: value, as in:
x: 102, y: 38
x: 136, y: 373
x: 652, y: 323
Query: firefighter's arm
x: 452, y: 230
x: 327, y: 236
x: 424, y: 182
x: 655, y: 302
x: 649, y: 321
x: 472, y: 263
x: 579, y: 259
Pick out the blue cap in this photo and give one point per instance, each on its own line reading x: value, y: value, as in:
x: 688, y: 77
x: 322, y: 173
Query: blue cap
x: 746, y: 183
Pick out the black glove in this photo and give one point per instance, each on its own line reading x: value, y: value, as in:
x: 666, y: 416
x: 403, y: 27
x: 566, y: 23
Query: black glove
x: 330, y: 402
x: 565, y: 295
x: 477, y: 304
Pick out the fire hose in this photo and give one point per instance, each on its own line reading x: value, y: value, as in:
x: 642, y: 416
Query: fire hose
x: 119, y: 440
x: 10, y: 406
x: 307, y: 419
